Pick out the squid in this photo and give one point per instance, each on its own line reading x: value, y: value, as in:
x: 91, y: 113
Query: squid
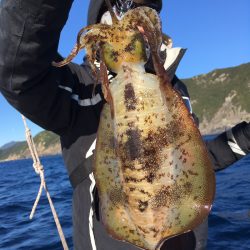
x: 153, y: 172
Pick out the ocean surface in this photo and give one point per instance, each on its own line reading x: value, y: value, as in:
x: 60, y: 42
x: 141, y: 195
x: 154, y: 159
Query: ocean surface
x: 229, y: 221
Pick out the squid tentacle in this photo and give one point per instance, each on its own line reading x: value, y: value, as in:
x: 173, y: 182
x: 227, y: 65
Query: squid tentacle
x: 82, y: 40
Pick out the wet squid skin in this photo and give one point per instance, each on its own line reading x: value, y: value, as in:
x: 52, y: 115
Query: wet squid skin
x: 153, y: 173
x: 152, y: 169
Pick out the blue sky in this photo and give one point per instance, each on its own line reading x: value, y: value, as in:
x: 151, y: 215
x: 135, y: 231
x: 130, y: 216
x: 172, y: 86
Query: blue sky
x: 216, y: 34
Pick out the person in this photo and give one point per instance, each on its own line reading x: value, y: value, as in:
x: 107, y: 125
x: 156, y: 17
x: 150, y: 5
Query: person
x: 61, y: 100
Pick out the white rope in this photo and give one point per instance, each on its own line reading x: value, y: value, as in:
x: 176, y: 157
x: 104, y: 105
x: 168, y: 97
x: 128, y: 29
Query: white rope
x: 38, y: 167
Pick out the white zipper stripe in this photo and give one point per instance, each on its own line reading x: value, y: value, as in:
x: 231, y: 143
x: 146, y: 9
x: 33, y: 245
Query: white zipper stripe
x: 82, y: 102
x: 91, y: 233
x: 91, y: 149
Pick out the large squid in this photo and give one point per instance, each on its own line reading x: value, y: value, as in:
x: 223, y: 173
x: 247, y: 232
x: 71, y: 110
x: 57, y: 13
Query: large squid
x: 152, y: 169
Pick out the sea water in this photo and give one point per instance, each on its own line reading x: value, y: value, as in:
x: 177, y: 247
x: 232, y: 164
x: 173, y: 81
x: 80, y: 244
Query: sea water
x: 229, y: 221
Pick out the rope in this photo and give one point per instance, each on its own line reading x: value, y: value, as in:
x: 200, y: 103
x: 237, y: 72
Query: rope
x: 38, y: 167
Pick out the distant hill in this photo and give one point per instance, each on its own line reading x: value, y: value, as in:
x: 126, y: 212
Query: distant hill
x: 8, y: 145
x: 220, y: 99
x: 47, y: 143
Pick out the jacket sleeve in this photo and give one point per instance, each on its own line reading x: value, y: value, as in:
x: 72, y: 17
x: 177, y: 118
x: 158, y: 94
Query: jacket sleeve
x: 230, y: 146
x: 29, y: 37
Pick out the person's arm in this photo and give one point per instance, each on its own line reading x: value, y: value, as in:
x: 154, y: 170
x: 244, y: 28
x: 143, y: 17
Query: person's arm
x: 230, y: 146
x: 57, y: 99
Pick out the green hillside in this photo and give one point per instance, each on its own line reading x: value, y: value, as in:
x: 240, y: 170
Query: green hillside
x: 44, y: 140
x: 208, y: 91
x: 18, y: 148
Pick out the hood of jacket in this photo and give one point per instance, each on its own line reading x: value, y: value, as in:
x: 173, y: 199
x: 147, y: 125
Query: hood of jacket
x: 95, y: 10
x: 98, y: 7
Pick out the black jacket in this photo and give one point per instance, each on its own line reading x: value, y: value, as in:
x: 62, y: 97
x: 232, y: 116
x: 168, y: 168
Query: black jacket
x: 60, y: 99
